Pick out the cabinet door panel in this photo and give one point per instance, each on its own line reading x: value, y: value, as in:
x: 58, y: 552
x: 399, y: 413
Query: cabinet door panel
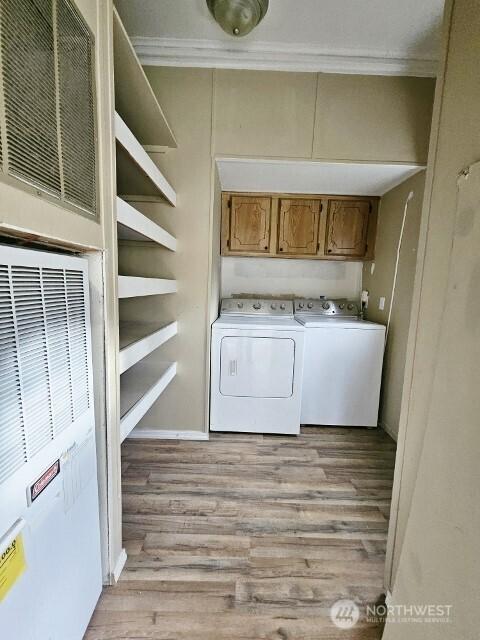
x: 250, y: 224
x: 298, y: 227
x: 347, y: 227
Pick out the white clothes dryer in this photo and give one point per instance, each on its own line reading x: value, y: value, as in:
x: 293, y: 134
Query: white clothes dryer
x: 256, y: 367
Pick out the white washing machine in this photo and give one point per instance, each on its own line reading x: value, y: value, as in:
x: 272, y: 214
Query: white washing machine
x: 343, y: 364
x: 256, y: 367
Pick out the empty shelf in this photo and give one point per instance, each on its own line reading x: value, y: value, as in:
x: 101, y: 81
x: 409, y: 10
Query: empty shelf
x: 133, y: 225
x: 137, y: 174
x: 140, y: 387
x: 132, y: 287
x: 134, y: 97
x: 134, y: 346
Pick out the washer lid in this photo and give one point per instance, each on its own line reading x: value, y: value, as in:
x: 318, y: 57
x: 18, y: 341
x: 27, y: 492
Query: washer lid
x: 262, y: 323
x: 322, y: 322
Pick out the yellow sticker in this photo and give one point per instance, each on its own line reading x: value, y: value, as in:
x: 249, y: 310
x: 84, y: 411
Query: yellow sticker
x: 12, y: 565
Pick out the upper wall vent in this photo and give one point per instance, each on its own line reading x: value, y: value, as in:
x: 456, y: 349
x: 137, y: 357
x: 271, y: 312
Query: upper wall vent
x: 47, y: 100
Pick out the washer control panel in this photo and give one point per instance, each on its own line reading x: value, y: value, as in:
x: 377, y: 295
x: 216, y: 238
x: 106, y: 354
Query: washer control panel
x: 343, y: 307
x: 256, y: 307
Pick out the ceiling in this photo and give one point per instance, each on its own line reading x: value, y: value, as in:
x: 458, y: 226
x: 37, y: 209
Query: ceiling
x: 338, y: 178
x: 393, y: 37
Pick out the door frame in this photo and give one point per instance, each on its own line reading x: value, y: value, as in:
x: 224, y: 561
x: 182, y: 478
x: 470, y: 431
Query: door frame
x: 394, y: 545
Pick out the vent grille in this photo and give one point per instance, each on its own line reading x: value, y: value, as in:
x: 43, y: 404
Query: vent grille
x: 13, y: 452
x: 76, y: 108
x: 58, y: 344
x: 48, y: 92
x: 32, y: 355
x: 29, y: 92
x: 78, y: 341
x: 44, y: 375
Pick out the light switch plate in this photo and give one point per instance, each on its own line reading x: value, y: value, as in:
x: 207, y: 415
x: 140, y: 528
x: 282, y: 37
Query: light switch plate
x: 381, y: 304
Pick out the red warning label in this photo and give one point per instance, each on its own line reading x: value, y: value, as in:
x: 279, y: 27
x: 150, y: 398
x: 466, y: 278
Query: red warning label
x: 44, y: 480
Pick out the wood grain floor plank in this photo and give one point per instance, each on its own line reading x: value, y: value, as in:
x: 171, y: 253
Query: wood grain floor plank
x: 250, y: 537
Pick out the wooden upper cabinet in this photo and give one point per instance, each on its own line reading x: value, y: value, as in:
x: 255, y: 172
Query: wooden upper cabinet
x: 298, y: 227
x: 348, y: 227
x: 318, y: 227
x: 247, y: 225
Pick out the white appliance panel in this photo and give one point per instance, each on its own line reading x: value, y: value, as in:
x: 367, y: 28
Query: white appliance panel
x: 56, y: 595
x: 252, y: 414
x: 342, y: 375
x: 46, y: 360
x: 257, y: 367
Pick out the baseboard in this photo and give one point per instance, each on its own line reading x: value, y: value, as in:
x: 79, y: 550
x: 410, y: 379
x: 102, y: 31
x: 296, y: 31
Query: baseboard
x: 159, y: 434
x: 389, y: 430
x: 121, y: 560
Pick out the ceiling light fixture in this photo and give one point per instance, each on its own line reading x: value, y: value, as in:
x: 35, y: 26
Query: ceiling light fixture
x: 238, y: 17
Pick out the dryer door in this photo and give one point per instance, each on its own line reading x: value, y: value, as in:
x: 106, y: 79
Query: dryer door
x: 257, y: 367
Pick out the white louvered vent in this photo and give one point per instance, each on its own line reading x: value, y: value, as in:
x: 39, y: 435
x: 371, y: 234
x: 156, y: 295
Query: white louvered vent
x: 47, y: 80
x: 44, y: 358
x: 13, y: 452
x: 78, y: 341
x: 75, y: 63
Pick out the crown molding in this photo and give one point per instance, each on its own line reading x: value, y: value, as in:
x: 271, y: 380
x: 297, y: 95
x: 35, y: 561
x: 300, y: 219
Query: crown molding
x: 277, y: 56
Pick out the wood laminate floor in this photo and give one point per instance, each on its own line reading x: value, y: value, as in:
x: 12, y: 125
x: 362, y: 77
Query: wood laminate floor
x: 248, y: 537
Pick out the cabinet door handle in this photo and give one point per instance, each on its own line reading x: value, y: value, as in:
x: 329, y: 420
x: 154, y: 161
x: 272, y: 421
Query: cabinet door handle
x: 233, y: 367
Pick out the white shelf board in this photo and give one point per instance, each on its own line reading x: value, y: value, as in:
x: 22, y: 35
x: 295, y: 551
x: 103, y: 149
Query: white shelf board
x: 140, y: 387
x: 135, y: 100
x: 134, y: 348
x: 312, y: 176
x: 137, y: 174
x: 133, y: 225
x: 133, y: 287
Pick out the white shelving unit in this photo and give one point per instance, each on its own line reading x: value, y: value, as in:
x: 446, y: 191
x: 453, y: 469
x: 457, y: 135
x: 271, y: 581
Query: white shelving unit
x: 135, y: 347
x: 133, y: 225
x: 134, y: 99
x: 134, y: 287
x: 137, y: 174
x: 140, y: 387
x: 140, y: 124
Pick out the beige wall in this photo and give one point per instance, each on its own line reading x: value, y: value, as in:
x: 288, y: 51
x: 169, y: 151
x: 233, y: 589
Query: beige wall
x: 302, y: 278
x: 380, y: 284
x: 186, y: 98
x: 32, y: 214
x: 264, y: 113
x: 322, y: 116
x: 377, y: 118
x: 254, y: 114
x: 436, y: 548
x: 216, y: 267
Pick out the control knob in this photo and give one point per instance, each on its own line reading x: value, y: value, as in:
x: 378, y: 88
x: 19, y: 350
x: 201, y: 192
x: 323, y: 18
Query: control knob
x: 341, y: 306
x: 273, y: 306
x: 240, y: 305
x: 351, y: 307
x: 301, y: 305
x: 326, y: 306
x: 310, y: 305
x: 257, y: 306
x: 283, y: 307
